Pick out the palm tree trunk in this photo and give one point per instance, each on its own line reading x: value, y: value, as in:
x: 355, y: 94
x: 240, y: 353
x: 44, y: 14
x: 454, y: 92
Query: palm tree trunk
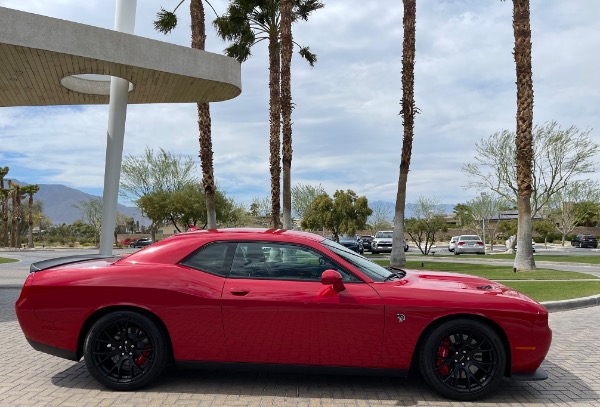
x: 524, y: 140
x: 286, y: 108
x: 275, y: 126
x: 16, y: 235
x: 30, y: 223
x: 204, y: 122
x: 398, y: 257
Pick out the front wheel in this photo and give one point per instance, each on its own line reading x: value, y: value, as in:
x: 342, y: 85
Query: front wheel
x: 463, y: 359
x: 125, y: 350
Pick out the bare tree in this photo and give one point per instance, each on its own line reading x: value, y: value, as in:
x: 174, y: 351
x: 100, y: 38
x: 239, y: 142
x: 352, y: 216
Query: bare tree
x: 565, y: 207
x: 91, y: 214
x: 303, y: 196
x: 380, y: 219
x: 559, y: 156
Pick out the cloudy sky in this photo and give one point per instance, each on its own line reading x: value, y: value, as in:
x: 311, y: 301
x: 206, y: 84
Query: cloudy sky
x: 347, y: 133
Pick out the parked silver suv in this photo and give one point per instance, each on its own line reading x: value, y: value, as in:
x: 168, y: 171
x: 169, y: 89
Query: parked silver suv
x: 382, y: 242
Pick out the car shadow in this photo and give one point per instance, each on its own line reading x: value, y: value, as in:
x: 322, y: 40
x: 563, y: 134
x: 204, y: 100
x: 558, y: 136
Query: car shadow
x: 562, y: 386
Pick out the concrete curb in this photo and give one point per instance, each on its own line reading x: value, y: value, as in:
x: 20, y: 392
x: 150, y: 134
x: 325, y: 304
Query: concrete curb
x: 575, y: 303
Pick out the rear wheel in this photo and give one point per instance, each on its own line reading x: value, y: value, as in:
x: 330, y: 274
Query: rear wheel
x: 125, y: 350
x: 463, y: 359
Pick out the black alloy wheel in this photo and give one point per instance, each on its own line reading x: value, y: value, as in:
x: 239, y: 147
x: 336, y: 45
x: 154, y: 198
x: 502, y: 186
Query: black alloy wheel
x: 463, y: 359
x: 125, y: 350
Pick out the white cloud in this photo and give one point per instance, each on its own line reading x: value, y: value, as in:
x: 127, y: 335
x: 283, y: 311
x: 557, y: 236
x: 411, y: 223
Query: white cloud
x: 347, y: 131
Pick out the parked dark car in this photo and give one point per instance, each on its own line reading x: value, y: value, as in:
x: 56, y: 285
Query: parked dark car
x: 585, y: 241
x: 352, y: 242
x: 141, y: 242
x: 366, y: 240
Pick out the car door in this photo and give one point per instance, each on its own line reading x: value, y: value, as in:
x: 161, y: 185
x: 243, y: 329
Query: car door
x: 276, y: 310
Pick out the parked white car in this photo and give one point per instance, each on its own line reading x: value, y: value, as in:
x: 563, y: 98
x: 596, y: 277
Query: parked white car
x: 510, y: 240
x: 452, y: 243
x: 469, y: 244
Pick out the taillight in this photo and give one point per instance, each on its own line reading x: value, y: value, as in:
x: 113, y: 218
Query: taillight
x: 461, y: 243
x: 480, y: 243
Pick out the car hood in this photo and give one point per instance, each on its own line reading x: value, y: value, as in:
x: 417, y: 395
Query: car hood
x: 425, y: 288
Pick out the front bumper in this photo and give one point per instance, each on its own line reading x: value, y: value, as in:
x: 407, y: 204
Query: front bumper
x: 539, y: 374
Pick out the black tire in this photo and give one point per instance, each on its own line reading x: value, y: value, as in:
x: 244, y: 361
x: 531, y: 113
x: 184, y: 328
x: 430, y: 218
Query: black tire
x: 125, y: 350
x: 462, y: 359
x: 374, y: 252
x: 456, y: 253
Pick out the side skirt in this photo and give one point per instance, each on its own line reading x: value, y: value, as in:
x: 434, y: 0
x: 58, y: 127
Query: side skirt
x: 306, y: 369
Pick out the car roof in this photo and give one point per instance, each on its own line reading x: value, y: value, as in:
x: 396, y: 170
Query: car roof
x: 169, y: 250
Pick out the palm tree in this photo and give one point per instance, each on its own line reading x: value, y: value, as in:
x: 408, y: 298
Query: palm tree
x: 398, y: 257
x: 165, y: 22
x: 30, y: 190
x: 4, y: 192
x: 15, y: 236
x: 246, y: 23
x: 524, y: 140
x: 285, y: 10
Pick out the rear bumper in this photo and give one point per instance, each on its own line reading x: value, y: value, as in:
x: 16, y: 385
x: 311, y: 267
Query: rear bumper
x: 54, y: 351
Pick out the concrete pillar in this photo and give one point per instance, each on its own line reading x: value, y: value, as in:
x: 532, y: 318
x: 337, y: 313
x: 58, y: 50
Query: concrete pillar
x: 117, y: 112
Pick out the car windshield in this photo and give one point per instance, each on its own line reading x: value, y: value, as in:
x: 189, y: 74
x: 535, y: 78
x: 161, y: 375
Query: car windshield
x: 374, y: 271
x: 470, y: 238
x: 347, y: 239
x: 384, y: 235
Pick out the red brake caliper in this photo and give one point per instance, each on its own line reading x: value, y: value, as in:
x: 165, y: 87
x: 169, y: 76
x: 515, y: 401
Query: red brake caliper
x: 442, y: 352
x: 140, y: 360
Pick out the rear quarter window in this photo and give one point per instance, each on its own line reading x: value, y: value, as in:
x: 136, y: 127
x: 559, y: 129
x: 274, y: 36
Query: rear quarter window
x: 214, y: 258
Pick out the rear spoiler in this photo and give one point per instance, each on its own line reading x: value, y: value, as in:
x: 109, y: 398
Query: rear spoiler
x: 60, y: 261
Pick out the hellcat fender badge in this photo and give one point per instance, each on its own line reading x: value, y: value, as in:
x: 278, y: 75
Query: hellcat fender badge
x: 400, y: 317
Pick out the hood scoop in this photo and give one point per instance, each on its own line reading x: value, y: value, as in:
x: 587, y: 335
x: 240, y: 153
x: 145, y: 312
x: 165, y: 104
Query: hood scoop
x: 485, y: 287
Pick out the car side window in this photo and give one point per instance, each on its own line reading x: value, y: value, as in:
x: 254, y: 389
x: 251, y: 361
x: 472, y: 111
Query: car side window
x: 214, y: 258
x: 280, y: 261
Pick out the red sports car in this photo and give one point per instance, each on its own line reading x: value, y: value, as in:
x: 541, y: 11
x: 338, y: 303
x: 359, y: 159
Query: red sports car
x: 274, y: 297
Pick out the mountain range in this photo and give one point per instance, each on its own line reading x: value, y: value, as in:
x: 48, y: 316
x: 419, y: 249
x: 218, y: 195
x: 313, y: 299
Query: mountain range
x: 60, y: 203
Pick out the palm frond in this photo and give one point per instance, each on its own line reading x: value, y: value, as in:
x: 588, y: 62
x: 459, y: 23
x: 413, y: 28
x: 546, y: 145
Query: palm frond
x: 165, y: 21
x: 309, y: 56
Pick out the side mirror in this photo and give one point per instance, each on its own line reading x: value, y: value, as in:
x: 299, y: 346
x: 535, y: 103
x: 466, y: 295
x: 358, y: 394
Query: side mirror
x: 334, y: 279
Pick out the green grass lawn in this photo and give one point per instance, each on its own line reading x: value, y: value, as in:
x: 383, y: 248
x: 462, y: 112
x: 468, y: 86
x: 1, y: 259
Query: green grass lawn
x: 555, y: 290
x: 493, y: 272
x: 4, y: 260
x: 589, y: 259
x: 535, y: 283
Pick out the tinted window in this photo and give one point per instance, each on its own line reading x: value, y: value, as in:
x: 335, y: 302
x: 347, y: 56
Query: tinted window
x: 373, y: 270
x: 214, y: 258
x: 281, y: 261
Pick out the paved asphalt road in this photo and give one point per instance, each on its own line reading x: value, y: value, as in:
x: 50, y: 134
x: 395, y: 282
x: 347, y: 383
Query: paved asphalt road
x: 30, y: 378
